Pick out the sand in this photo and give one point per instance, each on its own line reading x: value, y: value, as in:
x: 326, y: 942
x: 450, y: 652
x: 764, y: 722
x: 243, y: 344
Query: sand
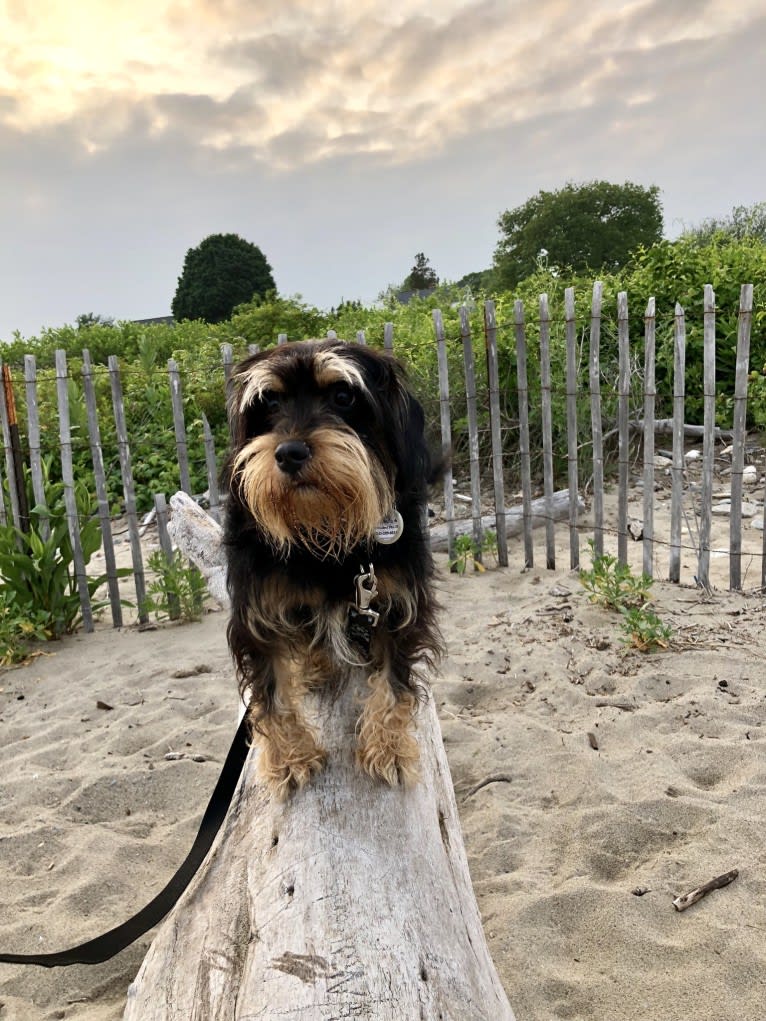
x: 576, y: 851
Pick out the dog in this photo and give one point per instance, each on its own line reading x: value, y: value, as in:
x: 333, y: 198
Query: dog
x: 328, y: 557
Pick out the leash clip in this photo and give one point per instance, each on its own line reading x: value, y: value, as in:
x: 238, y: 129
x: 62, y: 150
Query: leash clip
x: 366, y: 592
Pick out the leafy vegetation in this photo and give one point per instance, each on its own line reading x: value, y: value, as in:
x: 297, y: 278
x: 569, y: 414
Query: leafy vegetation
x: 178, y: 591
x: 39, y: 595
x: 614, y: 586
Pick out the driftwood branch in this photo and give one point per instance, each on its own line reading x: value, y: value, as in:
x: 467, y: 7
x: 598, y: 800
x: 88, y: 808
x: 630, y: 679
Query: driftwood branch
x: 682, y: 903
x: 514, y: 519
x: 352, y: 899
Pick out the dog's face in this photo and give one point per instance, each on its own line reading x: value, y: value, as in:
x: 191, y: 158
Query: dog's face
x: 322, y: 443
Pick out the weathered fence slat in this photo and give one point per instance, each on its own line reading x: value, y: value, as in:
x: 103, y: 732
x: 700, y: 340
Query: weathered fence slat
x: 469, y: 368
x: 650, y: 394
x: 211, y: 466
x: 623, y: 426
x: 70, y: 500
x: 547, y: 424
x: 361, y: 338
x: 179, y: 425
x: 388, y: 336
x: 281, y: 339
x: 525, y: 466
x: 446, y: 429
x: 594, y: 385
x: 10, y: 464
x: 166, y: 545
x: 738, y: 441
x: 227, y: 358
x: 493, y: 378
x: 33, y: 438
x: 677, y: 470
x: 102, y: 498
x: 572, y: 393
x: 128, y: 487
x: 708, y: 440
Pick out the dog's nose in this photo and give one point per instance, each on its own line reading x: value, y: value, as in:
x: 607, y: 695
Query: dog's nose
x: 292, y: 455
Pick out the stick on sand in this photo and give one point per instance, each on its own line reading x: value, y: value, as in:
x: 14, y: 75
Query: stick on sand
x: 682, y: 903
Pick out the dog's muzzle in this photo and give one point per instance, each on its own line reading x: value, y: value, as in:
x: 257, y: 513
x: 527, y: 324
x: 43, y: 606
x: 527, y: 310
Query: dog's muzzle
x: 292, y: 455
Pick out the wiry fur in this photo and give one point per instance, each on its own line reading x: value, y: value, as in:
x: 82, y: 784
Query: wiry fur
x: 296, y: 540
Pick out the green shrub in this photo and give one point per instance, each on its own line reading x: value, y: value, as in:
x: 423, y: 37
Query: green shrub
x: 178, y: 591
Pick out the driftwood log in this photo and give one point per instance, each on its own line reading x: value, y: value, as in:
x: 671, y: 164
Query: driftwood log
x: 350, y: 900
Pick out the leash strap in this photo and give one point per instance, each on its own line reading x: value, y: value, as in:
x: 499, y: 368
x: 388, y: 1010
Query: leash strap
x: 110, y: 943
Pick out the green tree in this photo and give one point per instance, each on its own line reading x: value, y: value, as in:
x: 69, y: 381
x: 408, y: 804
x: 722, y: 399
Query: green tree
x: 592, y: 226
x: 422, y: 276
x: 220, y: 273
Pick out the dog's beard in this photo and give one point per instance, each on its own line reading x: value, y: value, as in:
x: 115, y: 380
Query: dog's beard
x: 334, y: 502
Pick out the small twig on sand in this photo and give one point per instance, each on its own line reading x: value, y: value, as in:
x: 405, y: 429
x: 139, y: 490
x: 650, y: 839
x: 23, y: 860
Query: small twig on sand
x: 681, y: 903
x: 495, y: 778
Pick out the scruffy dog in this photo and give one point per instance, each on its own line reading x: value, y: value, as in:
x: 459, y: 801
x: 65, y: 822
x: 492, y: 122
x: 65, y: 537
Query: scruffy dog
x: 329, y: 562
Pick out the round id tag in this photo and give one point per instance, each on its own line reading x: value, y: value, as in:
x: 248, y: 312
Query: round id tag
x: 390, y: 528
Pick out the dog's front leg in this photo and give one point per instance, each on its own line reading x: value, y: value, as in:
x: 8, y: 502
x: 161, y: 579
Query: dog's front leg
x: 387, y: 748
x: 289, y: 754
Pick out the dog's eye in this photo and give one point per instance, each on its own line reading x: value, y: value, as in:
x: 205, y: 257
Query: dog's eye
x: 343, y: 398
x: 271, y: 400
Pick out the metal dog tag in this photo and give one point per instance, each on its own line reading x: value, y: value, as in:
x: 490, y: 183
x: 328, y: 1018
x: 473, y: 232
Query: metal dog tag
x: 390, y: 528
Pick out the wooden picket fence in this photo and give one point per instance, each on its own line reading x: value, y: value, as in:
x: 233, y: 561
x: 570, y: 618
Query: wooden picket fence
x: 482, y: 403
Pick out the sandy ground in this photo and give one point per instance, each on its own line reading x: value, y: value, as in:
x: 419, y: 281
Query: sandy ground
x: 595, y: 784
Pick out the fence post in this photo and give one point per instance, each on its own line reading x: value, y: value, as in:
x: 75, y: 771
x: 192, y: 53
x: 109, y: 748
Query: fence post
x: 161, y: 510
x: 7, y: 417
x: 179, y: 425
x: 388, y: 336
x: 522, y: 390
x: 446, y: 429
x: 99, y: 475
x: 473, y: 428
x: 623, y: 426
x: 677, y: 471
x: 35, y: 449
x: 708, y: 439
x: 572, y: 390
x: 594, y: 385
x: 650, y: 393
x: 212, y: 469
x: 70, y: 500
x: 490, y: 337
x: 738, y: 440
x: 545, y: 391
x: 128, y: 486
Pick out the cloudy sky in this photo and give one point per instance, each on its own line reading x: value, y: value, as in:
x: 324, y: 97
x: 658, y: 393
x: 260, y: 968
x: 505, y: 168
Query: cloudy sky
x: 344, y: 136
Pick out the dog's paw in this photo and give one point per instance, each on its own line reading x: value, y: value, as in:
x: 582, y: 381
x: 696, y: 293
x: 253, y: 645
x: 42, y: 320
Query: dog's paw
x: 284, y: 776
x: 391, y: 756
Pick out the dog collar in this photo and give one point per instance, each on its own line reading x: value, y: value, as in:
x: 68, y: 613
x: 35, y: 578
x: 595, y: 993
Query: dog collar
x: 361, y: 617
x: 390, y: 528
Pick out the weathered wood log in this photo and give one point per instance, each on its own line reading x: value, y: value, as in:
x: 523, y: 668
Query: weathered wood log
x: 352, y: 899
x: 514, y: 519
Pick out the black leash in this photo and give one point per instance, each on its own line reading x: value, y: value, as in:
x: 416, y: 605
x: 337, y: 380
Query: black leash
x: 110, y: 943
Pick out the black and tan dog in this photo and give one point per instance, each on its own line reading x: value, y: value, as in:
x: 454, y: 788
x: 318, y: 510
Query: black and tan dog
x: 329, y: 564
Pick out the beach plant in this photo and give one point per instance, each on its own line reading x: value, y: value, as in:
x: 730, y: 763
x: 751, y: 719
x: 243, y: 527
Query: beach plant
x: 17, y: 630
x: 613, y: 585
x: 38, y: 579
x: 467, y: 552
x: 644, y: 630
x: 178, y: 591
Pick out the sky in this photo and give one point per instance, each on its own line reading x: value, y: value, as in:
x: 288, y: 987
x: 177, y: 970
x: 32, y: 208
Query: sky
x: 344, y: 136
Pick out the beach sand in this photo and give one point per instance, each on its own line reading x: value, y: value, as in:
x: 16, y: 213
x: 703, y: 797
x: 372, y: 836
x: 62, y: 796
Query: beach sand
x: 595, y: 784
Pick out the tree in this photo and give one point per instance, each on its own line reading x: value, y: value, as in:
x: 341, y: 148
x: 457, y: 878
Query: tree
x: 422, y: 277
x: 742, y: 222
x: 581, y: 226
x: 223, y: 271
